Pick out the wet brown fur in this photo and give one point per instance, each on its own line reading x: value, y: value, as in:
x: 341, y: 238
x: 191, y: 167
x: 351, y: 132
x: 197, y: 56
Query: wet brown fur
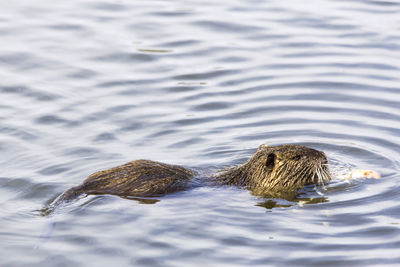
x: 271, y: 169
x: 140, y: 178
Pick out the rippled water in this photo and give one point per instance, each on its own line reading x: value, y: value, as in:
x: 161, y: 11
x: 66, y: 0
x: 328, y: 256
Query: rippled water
x: 87, y: 85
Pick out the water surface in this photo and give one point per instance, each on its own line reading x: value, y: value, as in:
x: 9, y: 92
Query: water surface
x: 88, y: 85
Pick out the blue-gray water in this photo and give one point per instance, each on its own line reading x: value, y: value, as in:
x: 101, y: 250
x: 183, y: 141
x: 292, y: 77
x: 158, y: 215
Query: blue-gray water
x: 88, y: 85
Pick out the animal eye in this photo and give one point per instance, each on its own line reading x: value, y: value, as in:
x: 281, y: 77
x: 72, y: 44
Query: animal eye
x: 297, y: 157
x: 270, y: 163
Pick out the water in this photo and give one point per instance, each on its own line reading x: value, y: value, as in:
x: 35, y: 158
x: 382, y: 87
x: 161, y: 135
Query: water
x: 88, y: 85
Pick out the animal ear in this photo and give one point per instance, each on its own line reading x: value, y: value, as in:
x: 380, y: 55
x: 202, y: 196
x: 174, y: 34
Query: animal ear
x: 270, y: 162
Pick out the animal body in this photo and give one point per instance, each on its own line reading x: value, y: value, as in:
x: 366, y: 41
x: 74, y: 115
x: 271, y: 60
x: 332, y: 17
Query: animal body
x: 271, y: 170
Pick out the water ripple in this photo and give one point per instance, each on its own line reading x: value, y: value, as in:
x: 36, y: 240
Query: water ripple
x: 200, y: 84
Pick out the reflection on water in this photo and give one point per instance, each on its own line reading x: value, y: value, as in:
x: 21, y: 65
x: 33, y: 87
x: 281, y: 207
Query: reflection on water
x: 144, y: 200
x: 88, y: 85
x: 270, y: 203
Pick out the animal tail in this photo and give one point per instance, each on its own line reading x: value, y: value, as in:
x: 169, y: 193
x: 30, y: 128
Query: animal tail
x: 65, y: 197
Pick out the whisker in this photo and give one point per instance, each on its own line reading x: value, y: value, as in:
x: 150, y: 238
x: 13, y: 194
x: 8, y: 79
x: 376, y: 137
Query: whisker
x: 327, y: 175
x: 320, y: 179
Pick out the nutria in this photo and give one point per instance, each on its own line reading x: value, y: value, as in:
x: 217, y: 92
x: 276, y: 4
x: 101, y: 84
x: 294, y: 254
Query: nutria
x: 279, y: 169
x: 276, y: 169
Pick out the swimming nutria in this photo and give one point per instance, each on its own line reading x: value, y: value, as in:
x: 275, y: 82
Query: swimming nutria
x: 276, y: 169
